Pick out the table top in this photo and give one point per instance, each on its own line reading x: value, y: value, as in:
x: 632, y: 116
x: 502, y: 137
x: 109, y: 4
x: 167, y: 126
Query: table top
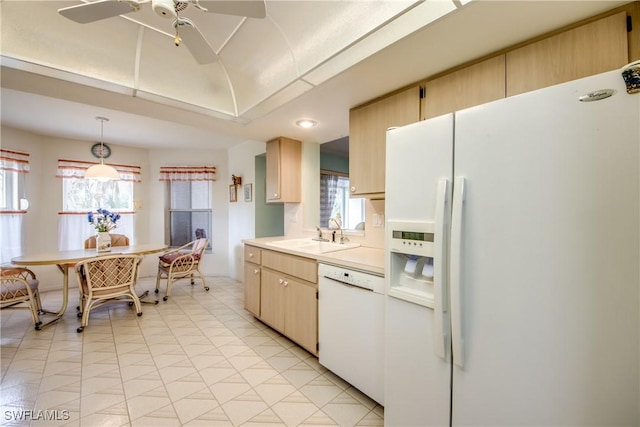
x: 71, y: 257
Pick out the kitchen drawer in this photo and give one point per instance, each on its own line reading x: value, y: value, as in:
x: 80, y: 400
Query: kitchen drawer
x: 252, y: 254
x: 302, y: 268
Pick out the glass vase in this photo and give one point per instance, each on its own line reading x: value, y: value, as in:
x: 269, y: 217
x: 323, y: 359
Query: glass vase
x: 103, y: 241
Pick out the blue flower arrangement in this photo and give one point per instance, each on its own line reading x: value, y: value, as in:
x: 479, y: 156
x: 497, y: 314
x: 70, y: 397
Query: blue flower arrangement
x: 103, y: 220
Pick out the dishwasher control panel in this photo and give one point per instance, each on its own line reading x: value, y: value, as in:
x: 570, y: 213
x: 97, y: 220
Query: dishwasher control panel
x: 351, y: 277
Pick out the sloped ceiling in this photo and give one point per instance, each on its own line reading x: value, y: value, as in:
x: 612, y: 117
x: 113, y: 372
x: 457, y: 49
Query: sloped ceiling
x: 306, y: 58
x: 257, y: 58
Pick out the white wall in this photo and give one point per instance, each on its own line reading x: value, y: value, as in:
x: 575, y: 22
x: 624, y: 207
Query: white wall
x: 241, y: 213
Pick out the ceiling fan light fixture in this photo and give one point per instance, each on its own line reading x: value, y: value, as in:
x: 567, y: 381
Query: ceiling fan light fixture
x: 306, y: 123
x: 102, y: 172
x: 164, y: 8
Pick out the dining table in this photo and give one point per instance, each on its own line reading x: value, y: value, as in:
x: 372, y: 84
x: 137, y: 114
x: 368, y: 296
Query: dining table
x: 66, y: 259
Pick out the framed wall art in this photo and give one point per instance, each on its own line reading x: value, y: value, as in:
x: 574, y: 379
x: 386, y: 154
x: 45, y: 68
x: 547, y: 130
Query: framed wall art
x: 248, y: 192
x: 233, y: 194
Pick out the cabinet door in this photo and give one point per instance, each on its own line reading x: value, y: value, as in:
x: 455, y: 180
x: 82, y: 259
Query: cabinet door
x: 273, y: 170
x: 284, y: 171
x: 583, y: 51
x: 474, y: 85
x: 252, y: 288
x: 272, y: 299
x: 301, y: 314
x: 367, y: 135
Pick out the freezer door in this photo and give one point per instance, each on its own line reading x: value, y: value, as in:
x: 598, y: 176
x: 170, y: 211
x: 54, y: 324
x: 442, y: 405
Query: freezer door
x: 417, y: 342
x: 549, y: 255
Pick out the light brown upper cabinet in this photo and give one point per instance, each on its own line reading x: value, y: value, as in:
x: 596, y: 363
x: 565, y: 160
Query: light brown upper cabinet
x: 368, y: 125
x: 284, y: 171
x: 473, y: 85
x: 590, y: 49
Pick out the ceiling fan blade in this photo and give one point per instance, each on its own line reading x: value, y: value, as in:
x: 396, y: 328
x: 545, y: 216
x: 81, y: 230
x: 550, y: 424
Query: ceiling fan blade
x: 97, y: 10
x: 250, y: 8
x: 195, y: 41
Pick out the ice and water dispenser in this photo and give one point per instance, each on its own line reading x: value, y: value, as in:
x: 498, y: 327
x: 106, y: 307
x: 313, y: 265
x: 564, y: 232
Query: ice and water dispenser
x: 411, y: 258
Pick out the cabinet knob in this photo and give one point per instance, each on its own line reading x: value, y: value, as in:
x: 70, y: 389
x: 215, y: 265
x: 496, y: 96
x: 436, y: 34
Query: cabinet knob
x: 286, y: 283
x: 250, y: 254
x: 281, y: 281
x: 353, y: 189
x: 275, y: 195
x: 256, y: 271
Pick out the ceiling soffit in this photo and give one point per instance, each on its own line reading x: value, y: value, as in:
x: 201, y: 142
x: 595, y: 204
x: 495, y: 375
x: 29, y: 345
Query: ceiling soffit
x: 263, y: 63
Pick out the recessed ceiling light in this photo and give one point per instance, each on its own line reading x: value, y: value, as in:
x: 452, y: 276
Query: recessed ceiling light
x: 306, y: 123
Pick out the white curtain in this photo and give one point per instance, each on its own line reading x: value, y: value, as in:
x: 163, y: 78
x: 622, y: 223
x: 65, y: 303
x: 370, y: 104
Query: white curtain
x: 11, y: 232
x: 74, y: 229
x: 14, y: 165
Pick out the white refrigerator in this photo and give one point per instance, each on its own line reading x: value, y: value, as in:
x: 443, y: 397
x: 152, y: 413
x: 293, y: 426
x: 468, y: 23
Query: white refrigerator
x: 513, y: 262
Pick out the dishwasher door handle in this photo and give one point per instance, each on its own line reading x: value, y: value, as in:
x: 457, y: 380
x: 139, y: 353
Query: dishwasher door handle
x: 352, y: 285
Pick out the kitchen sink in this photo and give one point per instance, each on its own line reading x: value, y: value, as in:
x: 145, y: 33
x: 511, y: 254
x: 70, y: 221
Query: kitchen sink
x: 312, y: 246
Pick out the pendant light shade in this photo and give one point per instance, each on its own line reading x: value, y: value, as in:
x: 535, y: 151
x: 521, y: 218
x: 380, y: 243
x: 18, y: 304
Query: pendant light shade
x: 102, y: 172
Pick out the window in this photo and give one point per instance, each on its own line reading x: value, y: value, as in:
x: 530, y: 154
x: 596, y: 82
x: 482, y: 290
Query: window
x: 189, y: 211
x: 83, y: 195
x: 14, y: 166
x: 80, y: 196
x: 336, y: 203
x: 10, y: 190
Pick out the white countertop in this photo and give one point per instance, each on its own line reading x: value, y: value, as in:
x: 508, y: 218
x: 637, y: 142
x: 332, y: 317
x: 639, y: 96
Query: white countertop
x: 370, y: 260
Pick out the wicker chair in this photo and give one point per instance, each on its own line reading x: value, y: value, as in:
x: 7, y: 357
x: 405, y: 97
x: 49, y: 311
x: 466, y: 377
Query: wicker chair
x: 116, y: 240
x: 107, y: 278
x: 20, y: 286
x: 181, y: 263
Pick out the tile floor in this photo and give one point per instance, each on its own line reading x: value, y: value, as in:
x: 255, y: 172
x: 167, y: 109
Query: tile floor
x: 198, y: 359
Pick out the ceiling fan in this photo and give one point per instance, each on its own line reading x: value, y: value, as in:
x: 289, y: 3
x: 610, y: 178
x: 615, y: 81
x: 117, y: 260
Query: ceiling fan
x: 185, y: 29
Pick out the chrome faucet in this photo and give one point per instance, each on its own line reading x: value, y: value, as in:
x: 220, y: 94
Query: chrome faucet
x: 343, y: 239
x: 320, y: 238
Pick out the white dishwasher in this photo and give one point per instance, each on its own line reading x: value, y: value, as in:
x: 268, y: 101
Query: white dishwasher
x: 351, y: 327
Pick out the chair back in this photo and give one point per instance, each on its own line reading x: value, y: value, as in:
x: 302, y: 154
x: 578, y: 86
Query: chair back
x: 116, y: 240
x: 199, y: 245
x: 108, y: 274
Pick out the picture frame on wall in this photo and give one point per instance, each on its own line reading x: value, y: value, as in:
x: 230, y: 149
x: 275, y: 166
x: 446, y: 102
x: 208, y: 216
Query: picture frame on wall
x: 233, y: 194
x: 248, y: 192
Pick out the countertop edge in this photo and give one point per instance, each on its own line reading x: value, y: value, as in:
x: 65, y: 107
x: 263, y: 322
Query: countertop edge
x: 363, y: 258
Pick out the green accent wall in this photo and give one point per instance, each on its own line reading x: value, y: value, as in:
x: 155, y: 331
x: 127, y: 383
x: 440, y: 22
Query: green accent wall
x: 269, y: 216
x: 334, y: 163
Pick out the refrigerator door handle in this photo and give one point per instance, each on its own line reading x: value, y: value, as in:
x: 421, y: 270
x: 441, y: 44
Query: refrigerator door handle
x: 439, y: 306
x: 454, y: 275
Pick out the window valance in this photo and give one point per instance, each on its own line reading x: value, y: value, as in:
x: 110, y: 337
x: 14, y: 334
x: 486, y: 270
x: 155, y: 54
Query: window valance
x: 187, y: 173
x: 76, y: 169
x: 15, y: 161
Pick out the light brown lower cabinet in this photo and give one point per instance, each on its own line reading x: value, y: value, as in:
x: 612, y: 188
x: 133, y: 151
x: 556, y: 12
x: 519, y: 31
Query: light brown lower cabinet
x: 252, y: 288
x: 290, y: 306
x: 282, y: 291
x: 252, y: 260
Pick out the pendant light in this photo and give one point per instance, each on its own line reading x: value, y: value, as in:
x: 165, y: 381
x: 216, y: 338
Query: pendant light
x: 102, y: 172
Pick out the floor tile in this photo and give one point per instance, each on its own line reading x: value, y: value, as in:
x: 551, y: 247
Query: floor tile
x: 198, y: 359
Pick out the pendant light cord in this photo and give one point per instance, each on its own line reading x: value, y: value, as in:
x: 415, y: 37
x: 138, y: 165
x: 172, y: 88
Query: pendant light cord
x: 102, y: 120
